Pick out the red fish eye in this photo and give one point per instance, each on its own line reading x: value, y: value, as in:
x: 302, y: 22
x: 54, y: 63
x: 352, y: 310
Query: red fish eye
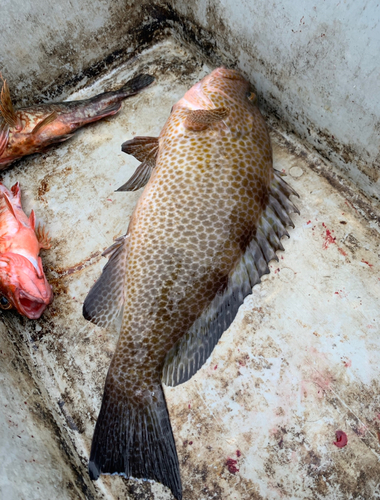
x: 4, y: 303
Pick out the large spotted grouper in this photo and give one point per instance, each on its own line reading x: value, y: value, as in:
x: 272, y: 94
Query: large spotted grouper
x: 204, y: 229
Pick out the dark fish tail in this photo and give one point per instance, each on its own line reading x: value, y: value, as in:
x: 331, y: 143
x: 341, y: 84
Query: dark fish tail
x: 133, y: 437
x: 135, y: 85
x: 106, y: 104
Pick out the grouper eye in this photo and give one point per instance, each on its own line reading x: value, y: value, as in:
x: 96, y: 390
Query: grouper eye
x: 4, y: 303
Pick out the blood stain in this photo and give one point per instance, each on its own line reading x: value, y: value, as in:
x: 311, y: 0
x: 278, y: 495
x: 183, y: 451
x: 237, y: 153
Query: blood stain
x: 238, y: 453
x: 341, y: 439
x: 368, y: 264
x: 231, y: 465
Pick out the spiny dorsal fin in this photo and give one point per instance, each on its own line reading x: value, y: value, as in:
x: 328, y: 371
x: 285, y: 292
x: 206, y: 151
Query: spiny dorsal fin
x: 32, y: 220
x: 200, y: 119
x: 144, y: 149
x: 105, y: 300
x: 49, y: 119
x: 191, y: 352
x: 10, y: 206
x: 6, y: 106
x: 4, y: 136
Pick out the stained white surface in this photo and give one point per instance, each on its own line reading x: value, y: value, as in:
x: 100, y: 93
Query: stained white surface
x: 300, y: 361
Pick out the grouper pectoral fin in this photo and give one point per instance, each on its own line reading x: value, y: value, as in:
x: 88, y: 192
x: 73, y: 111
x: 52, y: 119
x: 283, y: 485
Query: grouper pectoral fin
x: 200, y: 119
x: 194, y: 348
x: 144, y: 149
x: 105, y: 300
x: 6, y: 106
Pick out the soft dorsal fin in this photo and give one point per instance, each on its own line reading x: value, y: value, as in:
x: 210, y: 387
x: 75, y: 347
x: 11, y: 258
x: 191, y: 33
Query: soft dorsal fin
x: 4, y: 136
x: 193, y: 349
x: 45, y: 122
x: 105, y: 300
x: 6, y: 106
x: 200, y: 119
x: 144, y: 149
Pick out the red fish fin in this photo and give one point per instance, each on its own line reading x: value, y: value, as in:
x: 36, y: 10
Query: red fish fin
x: 134, y: 438
x: 42, y: 235
x: 144, y: 149
x: 4, y: 136
x: 200, y: 119
x: 32, y: 220
x: 6, y: 107
x: 105, y: 300
x: 45, y: 122
x: 191, y: 352
x: 10, y: 206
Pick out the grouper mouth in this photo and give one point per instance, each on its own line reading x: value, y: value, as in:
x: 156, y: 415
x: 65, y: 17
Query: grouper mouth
x: 32, y: 307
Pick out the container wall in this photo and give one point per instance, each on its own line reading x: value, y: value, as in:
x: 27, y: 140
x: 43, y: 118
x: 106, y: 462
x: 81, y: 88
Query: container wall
x: 316, y: 66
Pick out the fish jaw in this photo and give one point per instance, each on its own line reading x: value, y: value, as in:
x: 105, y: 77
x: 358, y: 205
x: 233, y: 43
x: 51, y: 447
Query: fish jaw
x: 25, y: 288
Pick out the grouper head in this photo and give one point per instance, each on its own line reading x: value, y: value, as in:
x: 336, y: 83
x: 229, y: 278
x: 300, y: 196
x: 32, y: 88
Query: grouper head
x: 214, y: 88
x: 23, y: 285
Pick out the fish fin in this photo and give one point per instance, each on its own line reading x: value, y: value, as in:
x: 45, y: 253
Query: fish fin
x: 45, y: 122
x: 110, y: 110
x: 136, y: 84
x: 192, y: 351
x: 6, y: 106
x: 144, y: 149
x: 133, y: 437
x: 105, y: 300
x: 4, y: 136
x: 200, y: 119
x: 42, y: 236
x: 140, y: 178
x: 10, y: 206
x: 32, y: 220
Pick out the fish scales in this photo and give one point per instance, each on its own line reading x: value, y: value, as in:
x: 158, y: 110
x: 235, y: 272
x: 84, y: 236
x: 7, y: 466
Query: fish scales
x: 204, y: 204
x: 35, y: 128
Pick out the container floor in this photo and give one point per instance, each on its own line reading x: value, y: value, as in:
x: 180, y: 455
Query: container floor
x: 300, y: 361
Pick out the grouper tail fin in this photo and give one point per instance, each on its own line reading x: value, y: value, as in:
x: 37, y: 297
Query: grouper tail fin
x: 133, y: 437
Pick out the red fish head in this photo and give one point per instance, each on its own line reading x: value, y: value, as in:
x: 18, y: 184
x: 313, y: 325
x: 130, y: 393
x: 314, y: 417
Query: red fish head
x: 23, y: 285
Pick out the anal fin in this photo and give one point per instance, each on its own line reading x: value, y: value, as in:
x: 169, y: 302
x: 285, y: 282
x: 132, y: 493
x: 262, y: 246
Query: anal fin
x: 105, y: 300
x: 193, y: 349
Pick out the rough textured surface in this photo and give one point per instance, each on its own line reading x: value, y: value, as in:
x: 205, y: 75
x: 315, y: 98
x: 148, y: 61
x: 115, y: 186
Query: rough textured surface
x: 300, y: 362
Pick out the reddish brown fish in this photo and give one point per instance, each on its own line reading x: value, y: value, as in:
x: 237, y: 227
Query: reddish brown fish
x: 205, y: 227
x: 23, y: 285
x: 34, y: 129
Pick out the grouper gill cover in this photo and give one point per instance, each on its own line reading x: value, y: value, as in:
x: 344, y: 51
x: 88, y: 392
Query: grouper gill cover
x: 209, y: 220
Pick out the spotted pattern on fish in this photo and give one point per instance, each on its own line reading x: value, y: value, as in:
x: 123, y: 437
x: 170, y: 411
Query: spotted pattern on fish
x: 190, y: 230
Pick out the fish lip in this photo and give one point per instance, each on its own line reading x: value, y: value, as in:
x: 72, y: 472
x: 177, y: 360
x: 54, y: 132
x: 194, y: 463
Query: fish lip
x: 32, y: 311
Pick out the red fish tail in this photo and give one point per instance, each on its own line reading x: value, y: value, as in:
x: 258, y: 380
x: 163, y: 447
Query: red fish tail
x: 133, y: 438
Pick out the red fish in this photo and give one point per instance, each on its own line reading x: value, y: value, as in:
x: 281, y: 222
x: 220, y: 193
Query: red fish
x: 23, y: 285
x: 34, y: 129
x: 208, y: 222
